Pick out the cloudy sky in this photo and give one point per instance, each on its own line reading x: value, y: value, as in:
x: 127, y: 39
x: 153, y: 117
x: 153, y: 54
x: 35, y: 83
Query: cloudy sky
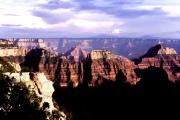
x: 84, y: 18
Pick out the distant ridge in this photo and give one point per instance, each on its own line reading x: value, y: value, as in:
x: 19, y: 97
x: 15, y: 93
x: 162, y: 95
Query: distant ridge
x: 149, y: 37
x: 107, y: 36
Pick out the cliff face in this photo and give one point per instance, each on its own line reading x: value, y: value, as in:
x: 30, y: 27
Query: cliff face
x: 98, y: 66
x: 102, y: 66
x: 39, y: 83
x: 162, y: 57
x: 76, y: 54
x: 30, y: 43
x: 13, y: 52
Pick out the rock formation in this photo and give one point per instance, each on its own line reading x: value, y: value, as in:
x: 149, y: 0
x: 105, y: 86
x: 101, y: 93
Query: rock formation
x: 16, y: 66
x: 163, y: 57
x: 30, y: 43
x: 103, y: 65
x: 99, y: 66
x: 127, y: 47
x: 39, y: 83
x: 7, y: 48
x: 76, y: 54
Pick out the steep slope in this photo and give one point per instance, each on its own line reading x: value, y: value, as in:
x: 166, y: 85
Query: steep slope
x: 101, y: 66
x: 163, y: 57
x: 76, y: 54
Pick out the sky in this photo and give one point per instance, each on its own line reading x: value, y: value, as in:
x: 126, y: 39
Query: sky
x: 88, y: 18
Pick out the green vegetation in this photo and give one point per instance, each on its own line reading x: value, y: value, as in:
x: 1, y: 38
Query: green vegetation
x: 18, y: 102
x: 5, y: 66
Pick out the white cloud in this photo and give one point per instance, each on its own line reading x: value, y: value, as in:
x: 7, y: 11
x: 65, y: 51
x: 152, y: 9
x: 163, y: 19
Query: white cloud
x: 115, y: 31
x: 18, y: 15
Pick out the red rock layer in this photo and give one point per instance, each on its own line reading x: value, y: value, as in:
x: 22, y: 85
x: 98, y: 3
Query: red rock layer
x: 108, y: 69
x: 170, y: 63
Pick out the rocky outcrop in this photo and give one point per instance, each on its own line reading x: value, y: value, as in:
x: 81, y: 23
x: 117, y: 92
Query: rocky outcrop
x: 76, y: 54
x: 99, y: 64
x: 16, y: 66
x: 163, y: 57
x: 6, y: 43
x: 13, y: 52
x: 101, y: 54
x: 122, y: 58
x: 39, y: 83
x: 105, y: 66
x: 69, y: 72
x: 30, y: 43
x: 159, y: 50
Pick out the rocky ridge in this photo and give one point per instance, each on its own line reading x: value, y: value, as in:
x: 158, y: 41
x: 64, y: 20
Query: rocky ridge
x: 99, y: 65
x: 76, y: 54
x: 162, y: 57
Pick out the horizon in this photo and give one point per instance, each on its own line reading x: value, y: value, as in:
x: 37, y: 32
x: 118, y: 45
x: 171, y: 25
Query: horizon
x: 141, y: 38
x: 90, y: 18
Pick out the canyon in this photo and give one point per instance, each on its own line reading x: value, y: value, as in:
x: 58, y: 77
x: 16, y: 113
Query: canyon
x: 94, y: 82
x: 128, y: 47
x: 92, y: 68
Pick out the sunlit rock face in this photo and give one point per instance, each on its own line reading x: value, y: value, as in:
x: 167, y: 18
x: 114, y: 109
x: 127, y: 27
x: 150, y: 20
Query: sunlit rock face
x: 13, y: 52
x: 69, y: 72
x: 42, y: 86
x: 76, y: 54
x: 30, y: 43
x: 164, y: 57
x: 16, y: 66
x: 160, y: 50
x: 102, y: 65
x: 100, y: 54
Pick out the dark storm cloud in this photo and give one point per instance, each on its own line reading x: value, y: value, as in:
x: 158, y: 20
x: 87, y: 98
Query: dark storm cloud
x: 52, y: 18
x: 9, y: 25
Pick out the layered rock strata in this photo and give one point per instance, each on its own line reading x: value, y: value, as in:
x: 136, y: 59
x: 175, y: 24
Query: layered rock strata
x: 76, y: 54
x: 163, y: 57
x: 105, y: 66
x: 98, y: 67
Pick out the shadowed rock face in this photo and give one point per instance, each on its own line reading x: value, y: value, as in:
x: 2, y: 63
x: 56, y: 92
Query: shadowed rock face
x: 99, y: 66
x: 159, y: 50
x: 102, y: 65
x: 162, y: 57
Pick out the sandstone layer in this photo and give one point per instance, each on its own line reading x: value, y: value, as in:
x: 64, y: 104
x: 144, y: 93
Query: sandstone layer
x: 163, y: 57
x: 100, y: 65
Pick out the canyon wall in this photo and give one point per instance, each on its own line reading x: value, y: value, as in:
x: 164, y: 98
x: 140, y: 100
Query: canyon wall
x: 39, y: 83
x: 99, y: 66
x: 162, y: 57
x: 127, y: 47
x: 13, y: 52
